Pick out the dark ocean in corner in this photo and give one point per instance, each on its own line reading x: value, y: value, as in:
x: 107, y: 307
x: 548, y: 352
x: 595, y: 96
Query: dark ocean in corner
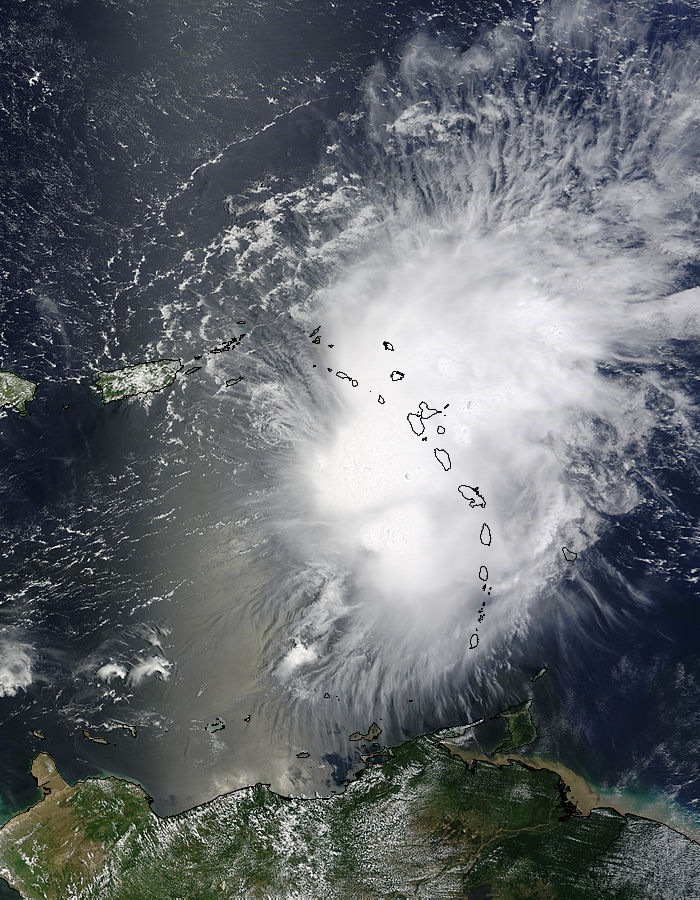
x: 505, y: 190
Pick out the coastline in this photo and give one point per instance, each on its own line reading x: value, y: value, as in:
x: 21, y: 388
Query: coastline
x: 472, y: 799
x: 586, y: 796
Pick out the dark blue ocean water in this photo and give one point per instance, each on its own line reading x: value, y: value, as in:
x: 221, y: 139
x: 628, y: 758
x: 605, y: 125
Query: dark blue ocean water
x: 110, y: 110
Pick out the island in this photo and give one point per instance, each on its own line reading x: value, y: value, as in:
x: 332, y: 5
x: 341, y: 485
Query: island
x: 94, y: 737
x: 372, y: 734
x: 443, y: 457
x: 521, y: 727
x: 130, y: 728
x: 434, y: 817
x: 217, y: 725
x: 415, y: 420
x: 472, y: 495
x: 16, y: 392
x: 144, y: 378
x: 345, y: 377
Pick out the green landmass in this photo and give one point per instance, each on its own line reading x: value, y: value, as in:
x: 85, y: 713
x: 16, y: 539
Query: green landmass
x: 144, y: 378
x: 427, y: 822
x: 521, y: 728
x: 217, y: 725
x: 15, y: 392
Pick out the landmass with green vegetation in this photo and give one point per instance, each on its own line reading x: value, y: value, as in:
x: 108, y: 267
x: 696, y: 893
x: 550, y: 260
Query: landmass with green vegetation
x: 16, y: 392
x: 144, y: 378
x: 521, y: 728
x: 436, y: 818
